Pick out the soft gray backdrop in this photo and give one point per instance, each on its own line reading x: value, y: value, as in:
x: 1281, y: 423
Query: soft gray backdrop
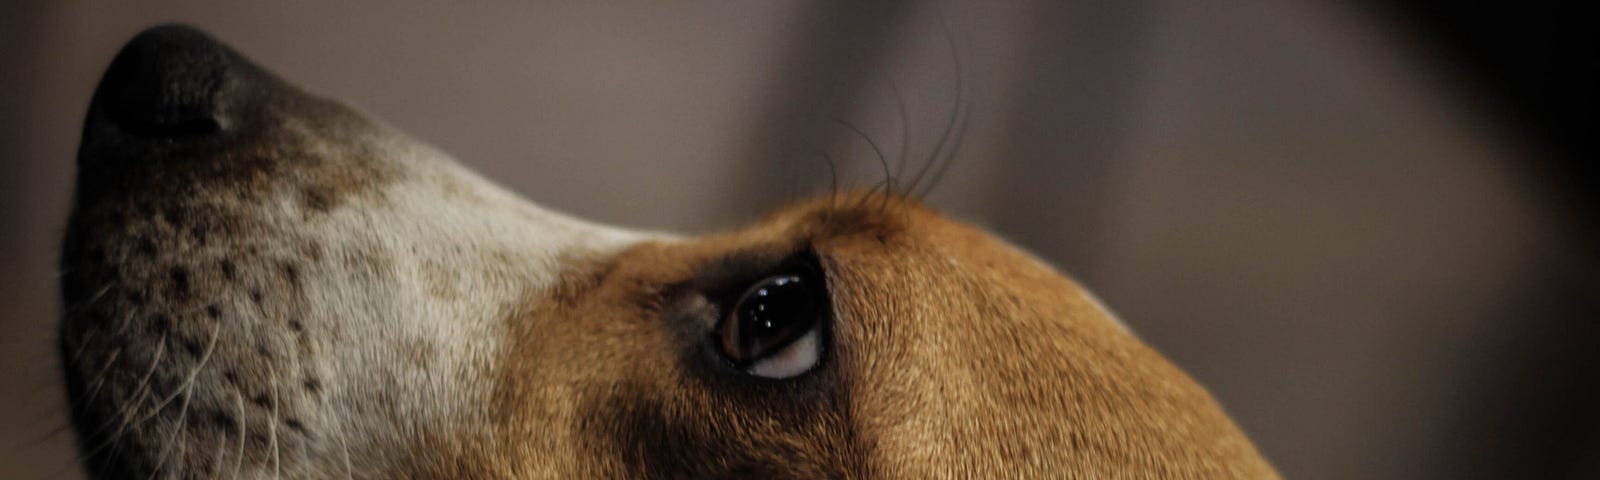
x: 1290, y: 198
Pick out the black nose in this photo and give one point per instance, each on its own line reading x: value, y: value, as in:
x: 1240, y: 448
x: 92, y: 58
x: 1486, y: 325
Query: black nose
x: 168, y: 82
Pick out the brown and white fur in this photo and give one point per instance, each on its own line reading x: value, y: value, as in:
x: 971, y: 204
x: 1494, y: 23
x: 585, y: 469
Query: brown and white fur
x: 261, y: 283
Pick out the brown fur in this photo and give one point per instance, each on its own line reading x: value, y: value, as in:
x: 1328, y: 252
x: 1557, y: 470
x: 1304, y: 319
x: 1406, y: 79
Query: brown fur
x: 302, y: 293
x: 955, y: 356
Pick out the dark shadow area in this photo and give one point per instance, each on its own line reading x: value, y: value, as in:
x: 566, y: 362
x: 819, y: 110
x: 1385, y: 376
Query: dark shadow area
x: 1537, y: 61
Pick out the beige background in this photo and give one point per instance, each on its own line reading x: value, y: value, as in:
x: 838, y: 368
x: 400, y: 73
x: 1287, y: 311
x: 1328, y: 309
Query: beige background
x: 1299, y: 205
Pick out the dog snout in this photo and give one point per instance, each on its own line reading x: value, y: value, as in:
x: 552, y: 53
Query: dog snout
x: 177, y: 109
x: 168, y: 82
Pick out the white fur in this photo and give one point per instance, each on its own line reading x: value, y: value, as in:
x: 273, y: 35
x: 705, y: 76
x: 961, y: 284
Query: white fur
x: 500, y: 251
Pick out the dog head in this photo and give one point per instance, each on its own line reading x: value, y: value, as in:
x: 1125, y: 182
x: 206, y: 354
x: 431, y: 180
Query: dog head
x: 260, y: 282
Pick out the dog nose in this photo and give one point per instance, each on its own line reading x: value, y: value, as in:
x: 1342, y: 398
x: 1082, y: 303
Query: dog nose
x: 168, y: 82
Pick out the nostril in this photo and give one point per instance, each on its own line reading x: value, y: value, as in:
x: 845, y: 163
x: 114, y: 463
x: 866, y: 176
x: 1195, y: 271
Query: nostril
x: 166, y: 82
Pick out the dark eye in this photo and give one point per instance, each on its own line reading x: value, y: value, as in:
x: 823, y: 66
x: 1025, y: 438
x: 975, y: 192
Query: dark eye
x: 774, y: 330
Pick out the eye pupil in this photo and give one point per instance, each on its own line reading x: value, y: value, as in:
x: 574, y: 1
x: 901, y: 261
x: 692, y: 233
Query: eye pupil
x: 774, y: 313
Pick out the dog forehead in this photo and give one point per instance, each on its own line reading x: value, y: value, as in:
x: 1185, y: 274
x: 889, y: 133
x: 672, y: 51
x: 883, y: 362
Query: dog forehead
x: 963, y: 353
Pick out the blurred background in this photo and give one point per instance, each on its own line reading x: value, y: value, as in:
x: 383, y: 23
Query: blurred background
x: 1363, y: 225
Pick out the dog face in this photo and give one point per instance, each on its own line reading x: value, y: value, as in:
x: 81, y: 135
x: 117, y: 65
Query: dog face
x: 263, y: 283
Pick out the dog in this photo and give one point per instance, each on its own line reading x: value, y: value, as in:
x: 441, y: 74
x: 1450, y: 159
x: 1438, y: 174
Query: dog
x: 259, y: 282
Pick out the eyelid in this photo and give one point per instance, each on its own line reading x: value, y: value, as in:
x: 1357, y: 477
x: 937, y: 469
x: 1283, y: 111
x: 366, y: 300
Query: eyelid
x: 730, y: 275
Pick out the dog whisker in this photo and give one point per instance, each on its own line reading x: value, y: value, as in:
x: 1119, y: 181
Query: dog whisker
x: 905, y: 130
x: 188, y: 381
x: 238, y: 461
x: 123, y: 417
x: 833, y: 183
x: 938, y: 175
x: 954, y: 118
x: 272, y: 426
x: 344, y: 447
x: 99, y: 378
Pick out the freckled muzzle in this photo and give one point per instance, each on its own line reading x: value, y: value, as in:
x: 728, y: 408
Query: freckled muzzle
x: 182, y: 286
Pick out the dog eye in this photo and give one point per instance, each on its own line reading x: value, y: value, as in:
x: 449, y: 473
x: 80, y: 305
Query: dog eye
x: 774, y: 330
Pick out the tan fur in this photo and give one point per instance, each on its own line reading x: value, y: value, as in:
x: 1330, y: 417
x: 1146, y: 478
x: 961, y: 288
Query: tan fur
x: 962, y: 356
x: 307, y: 294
